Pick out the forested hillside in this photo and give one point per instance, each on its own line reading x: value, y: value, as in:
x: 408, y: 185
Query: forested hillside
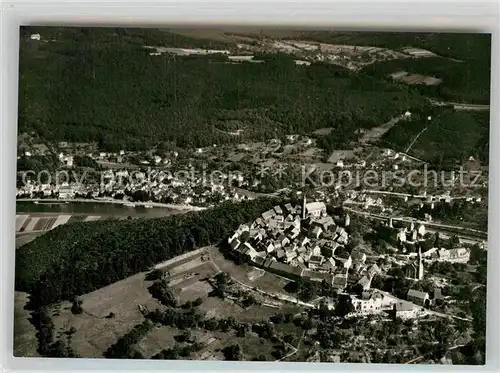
x: 78, y: 258
x: 450, y: 137
x: 100, y: 85
x: 464, y: 62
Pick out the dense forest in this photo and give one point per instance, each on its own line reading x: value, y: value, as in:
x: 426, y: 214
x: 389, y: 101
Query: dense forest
x: 86, y: 85
x: 78, y: 258
x: 447, y: 129
x: 463, y: 81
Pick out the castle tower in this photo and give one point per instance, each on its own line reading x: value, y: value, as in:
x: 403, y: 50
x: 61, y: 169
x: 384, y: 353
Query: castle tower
x: 420, y: 265
x: 390, y: 223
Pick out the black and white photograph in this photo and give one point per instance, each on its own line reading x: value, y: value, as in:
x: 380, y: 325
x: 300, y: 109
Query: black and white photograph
x: 252, y: 194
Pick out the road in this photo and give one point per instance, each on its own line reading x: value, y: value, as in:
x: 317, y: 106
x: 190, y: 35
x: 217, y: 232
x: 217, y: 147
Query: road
x: 460, y: 106
x: 415, y: 139
x: 436, y: 226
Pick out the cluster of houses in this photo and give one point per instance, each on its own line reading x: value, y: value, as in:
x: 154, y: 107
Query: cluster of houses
x: 159, y: 186
x: 374, y: 302
x: 302, y: 242
x: 458, y: 255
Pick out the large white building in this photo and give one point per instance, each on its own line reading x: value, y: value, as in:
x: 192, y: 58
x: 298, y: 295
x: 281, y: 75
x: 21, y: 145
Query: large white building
x: 315, y: 208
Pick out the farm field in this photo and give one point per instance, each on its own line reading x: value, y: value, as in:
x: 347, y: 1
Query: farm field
x: 96, y: 331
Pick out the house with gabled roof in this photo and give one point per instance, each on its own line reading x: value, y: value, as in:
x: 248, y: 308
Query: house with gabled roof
x: 404, y: 310
x: 365, y: 282
x: 315, y: 261
x: 270, y: 247
x: 318, y: 276
x: 339, y: 281
x: 280, y: 253
x: 373, y: 270
x: 358, y: 257
x: 285, y: 270
x: 316, y: 232
x: 267, y: 215
x: 418, y: 297
x: 278, y: 210
x: 234, y: 244
x: 289, y: 208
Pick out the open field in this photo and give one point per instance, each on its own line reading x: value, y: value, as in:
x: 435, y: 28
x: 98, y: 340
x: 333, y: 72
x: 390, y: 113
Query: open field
x: 24, y: 333
x: 95, y: 333
x: 269, y: 282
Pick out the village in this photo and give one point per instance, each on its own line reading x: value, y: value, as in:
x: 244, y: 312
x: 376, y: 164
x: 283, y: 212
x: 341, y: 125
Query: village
x: 304, y: 242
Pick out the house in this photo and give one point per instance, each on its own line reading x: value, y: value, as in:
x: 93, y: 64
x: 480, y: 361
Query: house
x: 283, y: 240
x: 421, y: 230
x: 235, y: 243
x: 316, y: 209
x: 431, y: 253
x: 339, y: 282
x: 259, y: 261
x: 316, y: 232
x: 280, y: 253
x: 460, y: 255
x: 294, y: 233
x: 358, y: 256
x: 365, y: 282
x: 437, y: 295
x: 401, y: 235
x: 304, y: 241
x: 267, y: 215
x: 316, y: 250
x: 367, y: 303
x: 65, y: 192
x: 285, y: 270
x: 255, y: 235
x: 404, y: 310
x: 342, y: 240
x: 258, y: 223
x: 317, y: 276
x: 328, y: 265
x: 418, y: 297
x: 289, y: 255
x: 279, y: 218
x: 373, y: 270
x: 278, y: 210
x: 270, y: 247
x: 289, y: 208
x: 343, y: 260
x: 251, y: 253
x: 315, y: 261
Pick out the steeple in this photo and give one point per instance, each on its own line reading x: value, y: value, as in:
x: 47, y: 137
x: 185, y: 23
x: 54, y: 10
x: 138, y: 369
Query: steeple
x: 304, y: 207
x: 420, y: 265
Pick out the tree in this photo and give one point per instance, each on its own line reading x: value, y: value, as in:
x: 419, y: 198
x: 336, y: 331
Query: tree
x: 344, y: 306
x: 76, y: 307
x: 233, y: 353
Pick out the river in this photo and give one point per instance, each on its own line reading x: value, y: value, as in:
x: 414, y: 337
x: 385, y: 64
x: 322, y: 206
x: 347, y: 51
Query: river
x: 89, y: 208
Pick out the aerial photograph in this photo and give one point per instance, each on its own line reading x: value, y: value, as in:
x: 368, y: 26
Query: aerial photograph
x: 252, y: 194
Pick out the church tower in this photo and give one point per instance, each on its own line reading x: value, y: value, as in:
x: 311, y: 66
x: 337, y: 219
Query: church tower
x: 420, y: 265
